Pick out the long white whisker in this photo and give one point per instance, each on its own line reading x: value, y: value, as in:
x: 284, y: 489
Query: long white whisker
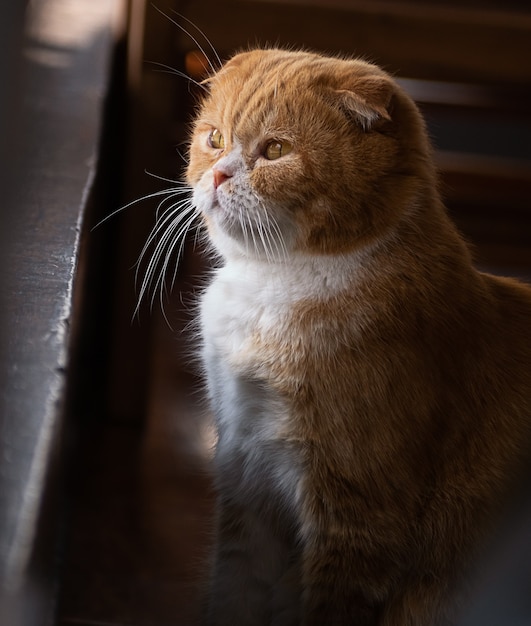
x: 272, y: 236
x: 183, y: 17
x: 161, y: 224
x: 166, y: 224
x: 178, y: 240
x: 273, y: 246
x: 181, y: 155
x: 264, y: 238
x: 174, y: 238
x: 170, y: 230
x: 188, y: 34
x: 253, y: 237
x: 278, y: 238
x: 246, y: 227
x: 175, y: 194
x: 273, y: 233
x: 179, y: 183
x: 152, y: 264
x: 171, y: 70
x: 130, y: 204
x: 196, y: 235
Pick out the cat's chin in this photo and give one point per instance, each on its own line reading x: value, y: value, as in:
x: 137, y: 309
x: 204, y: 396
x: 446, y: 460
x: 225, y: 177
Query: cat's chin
x: 234, y: 241
x: 236, y: 235
x: 233, y: 245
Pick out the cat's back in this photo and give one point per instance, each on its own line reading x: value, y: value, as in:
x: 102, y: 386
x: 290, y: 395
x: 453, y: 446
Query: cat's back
x: 506, y: 309
x: 498, y: 319
x: 512, y: 298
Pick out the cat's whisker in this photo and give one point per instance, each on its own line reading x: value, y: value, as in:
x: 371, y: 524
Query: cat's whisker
x: 178, y: 211
x: 260, y: 227
x: 279, y: 239
x: 173, y: 181
x: 191, y: 225
x: 251, y: 229
x: 132, y: 203
x: 152, y: 282
x: 188, y: 34
x: 210, y: 44
x: 161, y: 224
x: 198, y: 231
x: 172, y: 197
x: 274, y: 231
x: 149, y: 273
x: 165, y: 254
x: 259, y: 230
x: 160, y: 248
x: 171, y: 70
x: 178, y: 226
x: 177, y: 255
x: 271, y: 236
x: 177, y: 240
x: 243, y: 225
x: 180, y: 154
x: 264, y: 239
x: 267, y: 240
x: 171, y: 228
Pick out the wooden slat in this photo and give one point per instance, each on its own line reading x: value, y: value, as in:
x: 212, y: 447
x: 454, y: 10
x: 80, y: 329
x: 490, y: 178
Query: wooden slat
x: 421, y: 40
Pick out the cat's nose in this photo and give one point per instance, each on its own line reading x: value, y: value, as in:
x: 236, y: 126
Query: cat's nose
x: 219, y: 177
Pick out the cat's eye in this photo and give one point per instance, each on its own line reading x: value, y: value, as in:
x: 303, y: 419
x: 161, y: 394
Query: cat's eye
x: 216, y: 140
x: 276, y: 149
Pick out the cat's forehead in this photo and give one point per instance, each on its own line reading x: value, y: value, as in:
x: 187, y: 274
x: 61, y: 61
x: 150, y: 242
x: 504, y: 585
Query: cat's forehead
x: 263, y: 73
x: 261, y: 66
x: 275, y: 86
x: 266, y: 71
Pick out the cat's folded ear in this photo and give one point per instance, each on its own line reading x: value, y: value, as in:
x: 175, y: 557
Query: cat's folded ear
x: 367, y: 100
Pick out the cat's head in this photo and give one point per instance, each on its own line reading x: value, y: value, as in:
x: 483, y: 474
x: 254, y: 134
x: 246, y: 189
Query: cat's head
x: 294, y: 152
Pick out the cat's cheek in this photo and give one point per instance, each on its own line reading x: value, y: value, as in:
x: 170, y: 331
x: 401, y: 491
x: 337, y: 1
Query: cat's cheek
x: 279, y: 182
x: 200, y: 200
x: 204, y: 199
x: 214, y: 217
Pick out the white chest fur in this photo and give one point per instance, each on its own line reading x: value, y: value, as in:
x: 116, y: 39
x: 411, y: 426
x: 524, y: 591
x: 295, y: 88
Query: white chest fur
x: 249, y: 298
x: 253, y: 460
x: 259, y: 472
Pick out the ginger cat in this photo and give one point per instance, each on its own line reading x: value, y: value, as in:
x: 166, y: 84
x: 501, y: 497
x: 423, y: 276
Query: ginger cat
x: 372, y: 390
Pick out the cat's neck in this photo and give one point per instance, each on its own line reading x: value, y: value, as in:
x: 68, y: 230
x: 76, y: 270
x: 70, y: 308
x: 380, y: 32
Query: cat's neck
x: 412, y: 248
x: 299, y: 276
x: 302, y: 275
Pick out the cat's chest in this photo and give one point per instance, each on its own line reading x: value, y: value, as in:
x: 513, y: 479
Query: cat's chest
x: 234, y: 311
x: 267, y: 323
x: 253, y: 419
x: 237, y: 308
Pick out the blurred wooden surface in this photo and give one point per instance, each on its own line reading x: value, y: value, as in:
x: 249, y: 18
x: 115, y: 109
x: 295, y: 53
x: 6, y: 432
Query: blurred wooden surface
x: 52, y: 98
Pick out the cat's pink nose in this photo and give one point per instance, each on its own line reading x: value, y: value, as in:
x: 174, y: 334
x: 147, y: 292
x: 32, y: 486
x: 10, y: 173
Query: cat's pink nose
x: 219, y: 177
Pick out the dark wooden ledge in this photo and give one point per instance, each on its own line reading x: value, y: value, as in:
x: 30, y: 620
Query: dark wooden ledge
x: 50, y: 135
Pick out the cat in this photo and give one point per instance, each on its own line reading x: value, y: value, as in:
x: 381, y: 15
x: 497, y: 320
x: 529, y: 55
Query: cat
x: 371, y: 388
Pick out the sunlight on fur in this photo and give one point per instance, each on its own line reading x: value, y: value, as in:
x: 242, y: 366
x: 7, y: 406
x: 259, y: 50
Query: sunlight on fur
x: 370, y: 388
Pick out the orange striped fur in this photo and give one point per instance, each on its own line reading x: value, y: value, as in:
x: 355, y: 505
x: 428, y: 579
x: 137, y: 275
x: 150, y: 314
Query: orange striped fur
x: 371, y: 388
